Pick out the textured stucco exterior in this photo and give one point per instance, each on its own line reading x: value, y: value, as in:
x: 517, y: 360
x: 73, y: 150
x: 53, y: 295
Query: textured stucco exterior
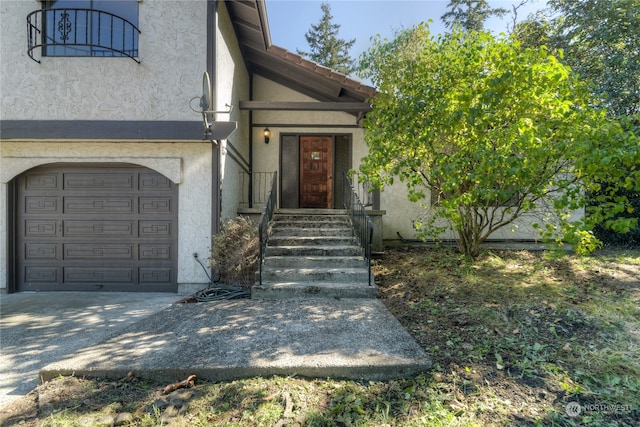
x: 194, y: 182
x: 400, y: 213
x: 266, y: 156
x: 172, y: 48
x: 231, y: 86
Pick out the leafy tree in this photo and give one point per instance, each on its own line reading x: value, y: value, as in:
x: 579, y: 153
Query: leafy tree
x: 484, y: 132
x: 325, y: 46
x: 535, y: 31
x: 470, y: 14
x: 601, y: 42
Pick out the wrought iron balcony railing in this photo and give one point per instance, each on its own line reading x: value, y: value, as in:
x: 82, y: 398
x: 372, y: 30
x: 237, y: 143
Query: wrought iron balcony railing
x: 81, y: 32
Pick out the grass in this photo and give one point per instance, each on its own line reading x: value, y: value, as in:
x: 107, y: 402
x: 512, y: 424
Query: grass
x: 515, y: 337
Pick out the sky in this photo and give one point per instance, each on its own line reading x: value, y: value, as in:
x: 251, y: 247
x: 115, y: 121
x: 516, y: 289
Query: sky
x: 289, y: 20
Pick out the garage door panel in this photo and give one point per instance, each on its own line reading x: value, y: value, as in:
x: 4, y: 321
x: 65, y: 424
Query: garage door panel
x: 158, y: 251
x: 154, y: 182
x: 41, y: 204
x: 100, y: 181
x: 89, y: 228
x: 96, y: 227
x: 40, y: 228
x: 48, y: 181
x: 42, y: 274
x: 155, y: 275
x: 92, y: 251
x: 149, y: 205
x: 98, y: 275
x: 155, y: 228
x: 41, y: 251
x: 116, y: 205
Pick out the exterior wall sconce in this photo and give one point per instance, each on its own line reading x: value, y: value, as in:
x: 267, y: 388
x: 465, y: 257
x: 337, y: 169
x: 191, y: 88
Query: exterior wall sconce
x: 267, y: 134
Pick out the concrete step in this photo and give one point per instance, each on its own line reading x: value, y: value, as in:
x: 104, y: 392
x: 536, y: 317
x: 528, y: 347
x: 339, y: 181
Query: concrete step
x: 311, y: 231
x: 314, y: 274
x: 315, y: 261
x: 312, y: 241
x: 308, y: 212
x: 312, y: 254
x: 278, y: 225
x: 313, y: 250
x: 295, y: 289
x: 310, y: 221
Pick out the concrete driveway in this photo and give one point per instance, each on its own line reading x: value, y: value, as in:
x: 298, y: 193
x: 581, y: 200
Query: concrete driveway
x: 110, y: 334
x: 37, y: 329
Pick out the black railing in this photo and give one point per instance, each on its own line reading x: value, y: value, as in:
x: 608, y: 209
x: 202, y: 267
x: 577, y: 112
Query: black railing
x: 81, y: 32
x: 254, y: 187
x: 364, y: 190
x: 265, y: 219
x: 360, y: 221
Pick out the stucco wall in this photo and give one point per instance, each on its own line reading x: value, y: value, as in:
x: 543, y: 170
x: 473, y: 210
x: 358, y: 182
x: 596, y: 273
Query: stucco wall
x: 401, y: 213
x: 266, y: 156
x: 193, y: 176
x: 231, y: 86
x: 173, y: 53
x: 172, y: 48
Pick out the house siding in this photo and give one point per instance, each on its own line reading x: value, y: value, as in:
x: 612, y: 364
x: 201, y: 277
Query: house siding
x: 266, y: 157
x: 172, y: 53
x: 173, y: 48
x: 186, y: 164
x: 231, y: 86
x: 400, y: 213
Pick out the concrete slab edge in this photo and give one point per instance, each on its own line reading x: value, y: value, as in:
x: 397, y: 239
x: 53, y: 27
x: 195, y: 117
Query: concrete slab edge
x: 365, y: 373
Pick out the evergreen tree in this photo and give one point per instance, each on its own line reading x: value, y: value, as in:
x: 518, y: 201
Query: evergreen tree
x: 325, y: 46
x: 470, y: 15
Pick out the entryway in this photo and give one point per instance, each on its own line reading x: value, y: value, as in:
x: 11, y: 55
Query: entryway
x: 311, y: 169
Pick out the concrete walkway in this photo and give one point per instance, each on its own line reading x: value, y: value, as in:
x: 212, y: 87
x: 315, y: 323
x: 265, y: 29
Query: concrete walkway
x: 111, y: 334
x: 39, y: 328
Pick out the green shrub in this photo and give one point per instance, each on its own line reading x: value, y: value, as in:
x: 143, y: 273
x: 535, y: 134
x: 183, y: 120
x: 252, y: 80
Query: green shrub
x: 235, y: 252
x: 632, y: 238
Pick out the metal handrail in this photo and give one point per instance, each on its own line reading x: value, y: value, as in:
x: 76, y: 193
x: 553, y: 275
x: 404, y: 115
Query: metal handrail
x: 363, y: 190
x: 102, y: 32
x: 253, y: 187
x: 360, y: 221
x: 265, y: 219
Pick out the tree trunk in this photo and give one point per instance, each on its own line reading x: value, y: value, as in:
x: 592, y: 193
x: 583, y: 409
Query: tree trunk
x: 469, y: 243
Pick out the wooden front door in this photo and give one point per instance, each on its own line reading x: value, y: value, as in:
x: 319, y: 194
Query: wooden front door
x: 316, y: 172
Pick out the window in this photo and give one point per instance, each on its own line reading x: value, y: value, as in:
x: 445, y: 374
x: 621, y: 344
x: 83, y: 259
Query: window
x: 105, y: 28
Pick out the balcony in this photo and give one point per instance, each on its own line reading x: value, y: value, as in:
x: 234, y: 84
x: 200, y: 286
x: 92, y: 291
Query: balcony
x: 81, y: 33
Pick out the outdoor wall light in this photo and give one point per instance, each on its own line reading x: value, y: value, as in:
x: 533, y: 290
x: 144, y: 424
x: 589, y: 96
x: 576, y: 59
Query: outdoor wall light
x: 267, y: 134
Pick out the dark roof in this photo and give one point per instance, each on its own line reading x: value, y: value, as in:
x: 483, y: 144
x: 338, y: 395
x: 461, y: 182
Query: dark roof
x: 249, y: 19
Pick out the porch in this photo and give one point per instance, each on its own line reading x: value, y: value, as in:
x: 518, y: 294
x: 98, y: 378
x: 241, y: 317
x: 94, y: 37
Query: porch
x: 255, y: 188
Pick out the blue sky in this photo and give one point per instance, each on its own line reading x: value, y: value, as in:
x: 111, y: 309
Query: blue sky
x: 289, y: 20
